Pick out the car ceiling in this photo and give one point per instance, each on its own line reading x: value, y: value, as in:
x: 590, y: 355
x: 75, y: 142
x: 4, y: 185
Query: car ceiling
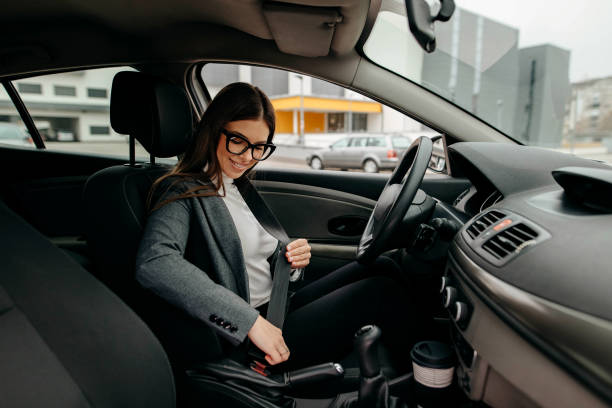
x: 36, y: 35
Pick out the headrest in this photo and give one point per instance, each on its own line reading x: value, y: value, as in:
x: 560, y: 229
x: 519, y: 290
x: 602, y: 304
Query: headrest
x: 154, y: 111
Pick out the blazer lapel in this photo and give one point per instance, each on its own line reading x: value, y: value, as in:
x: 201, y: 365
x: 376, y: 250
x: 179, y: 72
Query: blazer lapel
x: 226, y: 236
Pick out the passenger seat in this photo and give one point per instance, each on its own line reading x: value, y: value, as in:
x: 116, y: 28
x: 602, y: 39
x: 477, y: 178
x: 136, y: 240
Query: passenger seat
x: 65, y: 339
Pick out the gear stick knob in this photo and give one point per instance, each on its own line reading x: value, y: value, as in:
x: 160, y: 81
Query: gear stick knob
x: 366, y: 344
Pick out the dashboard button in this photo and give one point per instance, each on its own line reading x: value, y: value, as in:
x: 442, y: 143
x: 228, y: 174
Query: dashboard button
x: 444, y: 283
x: 449, y: 296
x: 461, y: 313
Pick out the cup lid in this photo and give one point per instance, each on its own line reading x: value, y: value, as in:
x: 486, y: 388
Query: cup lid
x: 433, y: 354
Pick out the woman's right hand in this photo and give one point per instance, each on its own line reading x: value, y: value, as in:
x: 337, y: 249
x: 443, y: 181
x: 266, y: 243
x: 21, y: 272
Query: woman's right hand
x: 269, y: 339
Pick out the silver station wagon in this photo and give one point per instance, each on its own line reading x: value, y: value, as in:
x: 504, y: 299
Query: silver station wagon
x: 368, y: 152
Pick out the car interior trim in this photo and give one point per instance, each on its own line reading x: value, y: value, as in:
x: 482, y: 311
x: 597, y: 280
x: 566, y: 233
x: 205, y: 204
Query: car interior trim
x: 544, y: 323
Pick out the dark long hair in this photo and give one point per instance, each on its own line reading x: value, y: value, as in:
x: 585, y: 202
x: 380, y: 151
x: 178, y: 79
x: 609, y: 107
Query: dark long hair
x: 237, y: 101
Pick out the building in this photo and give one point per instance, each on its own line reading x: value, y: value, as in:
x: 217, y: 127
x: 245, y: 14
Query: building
x: 589, y: 116
x: 543, y: 94
x: 70, y: 106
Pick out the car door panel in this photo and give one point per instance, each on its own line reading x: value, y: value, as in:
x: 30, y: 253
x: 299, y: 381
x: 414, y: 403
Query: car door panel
x: 307, y: 203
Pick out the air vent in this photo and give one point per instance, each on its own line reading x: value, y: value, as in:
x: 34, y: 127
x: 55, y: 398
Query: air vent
x: 483, y: 222
x: 510, y: 241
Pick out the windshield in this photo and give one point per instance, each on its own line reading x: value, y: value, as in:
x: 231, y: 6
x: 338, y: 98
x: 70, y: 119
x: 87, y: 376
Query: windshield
x: 534, y: 70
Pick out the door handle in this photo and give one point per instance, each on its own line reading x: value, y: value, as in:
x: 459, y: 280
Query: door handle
x: 347, y: 225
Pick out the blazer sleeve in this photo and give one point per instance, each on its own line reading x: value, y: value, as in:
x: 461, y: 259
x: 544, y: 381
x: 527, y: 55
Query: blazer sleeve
x: 162, y: 268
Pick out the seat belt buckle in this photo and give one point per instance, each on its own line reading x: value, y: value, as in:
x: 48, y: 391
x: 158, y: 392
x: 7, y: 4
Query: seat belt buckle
x: 259, y: 368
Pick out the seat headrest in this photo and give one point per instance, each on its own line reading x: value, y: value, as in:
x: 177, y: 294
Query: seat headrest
x: 154, y: 111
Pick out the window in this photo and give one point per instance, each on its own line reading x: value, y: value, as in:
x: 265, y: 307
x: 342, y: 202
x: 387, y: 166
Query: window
x: 99, y: 130
x: 335, y: 122
x: 340, y: 143
x: 12, y: 129
x: 62, y: 90
x: 360, y: 122
x: 358, y: 142
x: 69, y: 124
x: 29, y: 88
x: 97, y: 93
x: 376, y: 142
x: 312, y: 113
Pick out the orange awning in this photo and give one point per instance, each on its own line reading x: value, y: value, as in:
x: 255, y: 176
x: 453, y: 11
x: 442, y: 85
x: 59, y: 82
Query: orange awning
x: 312, y: 103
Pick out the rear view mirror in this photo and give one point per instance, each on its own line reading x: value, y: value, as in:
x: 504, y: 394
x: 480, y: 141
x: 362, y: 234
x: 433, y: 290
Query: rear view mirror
x: 421, y: 17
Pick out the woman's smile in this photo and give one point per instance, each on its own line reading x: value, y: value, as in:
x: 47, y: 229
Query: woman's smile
x: 255, y: 131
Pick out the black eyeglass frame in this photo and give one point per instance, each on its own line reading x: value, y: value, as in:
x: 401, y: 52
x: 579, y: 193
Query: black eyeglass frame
x: 229, y: 135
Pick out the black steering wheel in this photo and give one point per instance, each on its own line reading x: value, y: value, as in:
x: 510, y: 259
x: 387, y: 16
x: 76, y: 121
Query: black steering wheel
x: 394, y: 201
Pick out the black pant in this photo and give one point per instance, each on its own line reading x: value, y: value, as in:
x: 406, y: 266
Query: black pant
x: 324, y: 315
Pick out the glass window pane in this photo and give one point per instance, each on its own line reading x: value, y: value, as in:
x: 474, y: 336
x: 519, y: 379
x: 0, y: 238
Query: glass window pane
x: 30, y: 88
x: 12, y: 129
x: 80, y: 123
x: 62, y: 90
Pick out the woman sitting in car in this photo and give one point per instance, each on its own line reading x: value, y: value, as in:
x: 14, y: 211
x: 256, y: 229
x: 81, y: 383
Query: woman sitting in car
x: 226, y: 281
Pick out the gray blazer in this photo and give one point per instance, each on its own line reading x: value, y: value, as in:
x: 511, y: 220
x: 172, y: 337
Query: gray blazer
x: 190, y: 255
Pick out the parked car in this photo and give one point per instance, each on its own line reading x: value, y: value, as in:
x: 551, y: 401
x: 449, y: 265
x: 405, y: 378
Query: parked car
x: 506, y: 254
x: 369, y: 152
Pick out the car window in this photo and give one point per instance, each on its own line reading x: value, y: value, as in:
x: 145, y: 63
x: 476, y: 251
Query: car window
x: 358, y: 142
x: 376, y: 142
x: 313, y: 114
x: 400, y: 142
x: 340, y: 143
x: 72, y: 111
x: 12, y: 130
x: 514, y: 67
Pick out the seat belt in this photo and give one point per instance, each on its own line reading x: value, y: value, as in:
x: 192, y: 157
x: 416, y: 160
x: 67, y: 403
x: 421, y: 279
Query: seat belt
x: 277, y: 305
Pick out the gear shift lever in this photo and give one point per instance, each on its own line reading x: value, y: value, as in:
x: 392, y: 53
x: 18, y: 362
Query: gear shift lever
x: 373, y: 389
x: 366, y: 343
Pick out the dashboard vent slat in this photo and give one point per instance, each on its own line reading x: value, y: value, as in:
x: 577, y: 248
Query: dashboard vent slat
x: 483, y: 222
x: 509, y: 241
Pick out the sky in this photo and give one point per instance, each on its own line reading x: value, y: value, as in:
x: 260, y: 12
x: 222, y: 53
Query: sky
x: 584, y: 27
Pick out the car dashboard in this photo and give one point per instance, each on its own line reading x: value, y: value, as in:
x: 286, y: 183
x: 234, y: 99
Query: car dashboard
x: 527, y: 282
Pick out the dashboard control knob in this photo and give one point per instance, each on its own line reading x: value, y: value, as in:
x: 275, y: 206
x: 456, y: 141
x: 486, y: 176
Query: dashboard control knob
x: 444, y: 283
x: 449, y: 296
x: 460, y: 312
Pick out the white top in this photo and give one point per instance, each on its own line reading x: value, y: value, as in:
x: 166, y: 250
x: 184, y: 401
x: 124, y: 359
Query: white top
x: 257, y: 244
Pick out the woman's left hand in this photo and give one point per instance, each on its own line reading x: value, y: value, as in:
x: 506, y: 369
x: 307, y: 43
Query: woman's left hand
x: 298, y: 253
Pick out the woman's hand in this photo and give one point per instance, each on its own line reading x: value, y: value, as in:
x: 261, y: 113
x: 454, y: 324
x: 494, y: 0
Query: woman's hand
x: 298, y: 253
x: 269, y: 339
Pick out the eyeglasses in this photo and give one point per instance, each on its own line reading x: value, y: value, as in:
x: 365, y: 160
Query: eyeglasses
x: 238, y: 144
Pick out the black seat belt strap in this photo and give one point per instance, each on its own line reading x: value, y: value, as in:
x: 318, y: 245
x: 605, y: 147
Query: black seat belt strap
x: 282, y: 268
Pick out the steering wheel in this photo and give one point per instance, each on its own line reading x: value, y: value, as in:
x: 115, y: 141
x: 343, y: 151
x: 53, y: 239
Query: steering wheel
x: 395, y: 200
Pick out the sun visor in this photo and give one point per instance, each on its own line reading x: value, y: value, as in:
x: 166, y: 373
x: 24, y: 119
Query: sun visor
x: 302, y: 30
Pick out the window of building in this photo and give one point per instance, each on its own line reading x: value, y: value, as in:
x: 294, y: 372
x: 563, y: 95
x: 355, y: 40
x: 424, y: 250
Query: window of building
x: 360, y: 122
x: 29, y: 88
x: 62, y: 90
x: 97, y: 93
x: 335, y: 122
x: 99, y: 130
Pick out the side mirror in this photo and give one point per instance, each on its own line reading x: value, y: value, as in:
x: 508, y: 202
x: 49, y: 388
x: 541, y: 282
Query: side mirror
x: 437, y: 163
x: 421, y: 17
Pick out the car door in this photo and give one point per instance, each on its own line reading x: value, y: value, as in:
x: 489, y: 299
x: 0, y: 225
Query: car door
x: 329, y: 208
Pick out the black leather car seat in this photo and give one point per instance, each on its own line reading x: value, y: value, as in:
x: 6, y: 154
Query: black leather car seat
x: 157, y: 114
x: 65, y: 339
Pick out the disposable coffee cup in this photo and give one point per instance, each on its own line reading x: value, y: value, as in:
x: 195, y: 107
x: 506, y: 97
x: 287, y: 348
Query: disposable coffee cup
x: 433, y: 364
